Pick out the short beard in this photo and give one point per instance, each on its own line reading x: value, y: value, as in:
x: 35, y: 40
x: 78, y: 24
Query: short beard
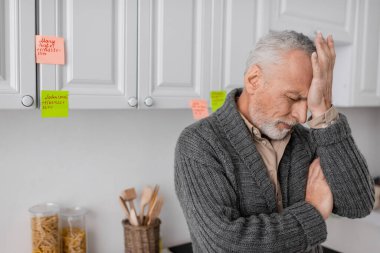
x: 269, y: 127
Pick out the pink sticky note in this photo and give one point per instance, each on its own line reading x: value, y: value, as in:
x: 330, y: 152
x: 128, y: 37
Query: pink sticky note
x: 50, y: 49
x: 199, y: 107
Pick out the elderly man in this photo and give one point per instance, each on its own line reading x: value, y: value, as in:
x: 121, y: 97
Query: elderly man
x: 251, y: 178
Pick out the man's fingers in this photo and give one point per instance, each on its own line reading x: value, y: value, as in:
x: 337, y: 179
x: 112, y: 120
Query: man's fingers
x: 316, y: 161
x: 311, y: 173
x: 318, y: 43
x: 322, y: 42
x: 323, y: 50
x: 318, y: 168
x: 315, y: 65
x: 316, y: 172
x: 330, y: 43
x: 313, y: 170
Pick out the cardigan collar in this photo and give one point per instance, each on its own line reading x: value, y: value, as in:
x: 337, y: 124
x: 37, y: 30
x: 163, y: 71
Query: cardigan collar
x: 238, y: 134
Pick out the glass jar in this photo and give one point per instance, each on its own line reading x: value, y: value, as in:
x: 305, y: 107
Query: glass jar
x: 74, y: 230
x: 45, y: 228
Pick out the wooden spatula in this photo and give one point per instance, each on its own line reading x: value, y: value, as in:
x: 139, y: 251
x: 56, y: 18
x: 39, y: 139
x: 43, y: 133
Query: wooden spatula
x: 146, y: 195
x: 155, y: 211
x: 124, y: 206
x: 129, y: 195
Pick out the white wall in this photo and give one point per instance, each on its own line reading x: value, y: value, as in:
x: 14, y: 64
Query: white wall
x: 88, y: 158
x: 365, y: 126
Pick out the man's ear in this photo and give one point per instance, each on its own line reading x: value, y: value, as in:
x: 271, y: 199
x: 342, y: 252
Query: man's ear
x: 252, y: 79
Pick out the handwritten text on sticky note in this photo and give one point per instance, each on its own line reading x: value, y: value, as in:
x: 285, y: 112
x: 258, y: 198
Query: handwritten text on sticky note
x: 199, y: 107
x: 54, y: 104
x: 50, y: 50
x: 217, y: 99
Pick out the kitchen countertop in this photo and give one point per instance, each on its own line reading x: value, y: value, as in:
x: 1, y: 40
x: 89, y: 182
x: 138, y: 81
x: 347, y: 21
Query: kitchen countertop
x: 186, y: 248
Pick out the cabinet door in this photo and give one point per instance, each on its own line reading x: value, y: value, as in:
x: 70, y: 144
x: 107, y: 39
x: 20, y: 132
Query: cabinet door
x: 308, y: 16
x: 366, y: 92
x: 174, y: 52
x: 101, y: 51
x: 17, y: 61
x: 237, y: 26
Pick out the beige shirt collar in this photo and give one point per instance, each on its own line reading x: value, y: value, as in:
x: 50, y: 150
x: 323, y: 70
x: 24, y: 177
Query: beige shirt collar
x: 271, y: 152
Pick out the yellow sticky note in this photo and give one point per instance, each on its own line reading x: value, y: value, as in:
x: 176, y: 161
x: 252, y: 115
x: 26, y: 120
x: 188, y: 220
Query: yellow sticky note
x: 217, y: 99
x: 50, y: 49
x: 199, y: 107
x: 54, y: 104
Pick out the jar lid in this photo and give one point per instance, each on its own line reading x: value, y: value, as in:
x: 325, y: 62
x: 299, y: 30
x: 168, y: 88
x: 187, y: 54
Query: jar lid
x: 44, y: 209
x: 74, y: 211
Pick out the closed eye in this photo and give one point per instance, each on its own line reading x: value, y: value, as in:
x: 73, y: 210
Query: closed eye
x: 295, y: 96
x: 295, y: 99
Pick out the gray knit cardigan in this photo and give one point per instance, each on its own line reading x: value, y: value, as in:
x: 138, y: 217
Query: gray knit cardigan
x: 229, y: 201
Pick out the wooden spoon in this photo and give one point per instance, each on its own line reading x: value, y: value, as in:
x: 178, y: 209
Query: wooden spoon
x: 146, y: 195
x: 155, y: 211
x: 130, y: 195
x: 133, y: 218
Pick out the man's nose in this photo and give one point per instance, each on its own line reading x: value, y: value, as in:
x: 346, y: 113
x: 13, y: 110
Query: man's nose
x: 299, y: 111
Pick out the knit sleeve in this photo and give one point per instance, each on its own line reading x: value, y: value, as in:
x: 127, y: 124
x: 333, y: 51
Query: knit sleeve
x: 210, y: 205
x: 345, y: 169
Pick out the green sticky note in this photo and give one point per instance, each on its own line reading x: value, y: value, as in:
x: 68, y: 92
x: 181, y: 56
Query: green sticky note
x: 54, y: 104
x: 217, y: 99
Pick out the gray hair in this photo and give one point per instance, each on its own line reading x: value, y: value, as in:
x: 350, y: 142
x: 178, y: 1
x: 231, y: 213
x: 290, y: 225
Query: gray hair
x: 270, y: 48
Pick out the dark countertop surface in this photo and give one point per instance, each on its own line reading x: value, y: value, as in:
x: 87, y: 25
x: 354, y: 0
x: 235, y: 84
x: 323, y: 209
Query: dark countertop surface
x: 186, y: 248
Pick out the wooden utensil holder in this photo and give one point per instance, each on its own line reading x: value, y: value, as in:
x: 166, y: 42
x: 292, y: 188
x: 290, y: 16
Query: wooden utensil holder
x: 142, y: 239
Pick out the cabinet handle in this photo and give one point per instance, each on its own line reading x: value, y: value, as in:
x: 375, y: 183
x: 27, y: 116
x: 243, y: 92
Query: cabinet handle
x: 132, y: 101
x: 27, y: 101
x: 148, y: 101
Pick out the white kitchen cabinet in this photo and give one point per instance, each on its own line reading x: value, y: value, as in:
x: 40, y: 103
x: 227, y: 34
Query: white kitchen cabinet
x: 174, y: 52
x: 337, y: 17
x: 162, y: 53
x: 17, y: 64
x: 236, y: 27
x: 364, y: 90
x: 101, y: 51
x: 155, y: 52
x: 355, y: 25
x: 187, y: 48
